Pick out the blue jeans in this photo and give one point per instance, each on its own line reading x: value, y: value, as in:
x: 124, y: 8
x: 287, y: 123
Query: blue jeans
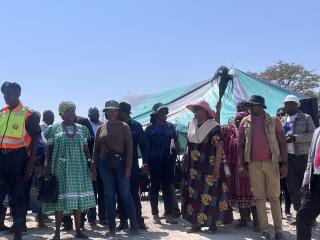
x: 114, y: 179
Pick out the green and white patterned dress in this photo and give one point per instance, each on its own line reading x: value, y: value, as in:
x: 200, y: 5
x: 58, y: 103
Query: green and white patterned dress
x: 69, y: 165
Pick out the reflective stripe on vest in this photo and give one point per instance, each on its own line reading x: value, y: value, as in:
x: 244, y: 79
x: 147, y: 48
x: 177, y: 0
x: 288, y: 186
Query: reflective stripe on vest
x: 12, y: 128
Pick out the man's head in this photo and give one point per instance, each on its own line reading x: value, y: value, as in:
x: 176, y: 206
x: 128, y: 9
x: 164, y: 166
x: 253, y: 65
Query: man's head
x: 125, y: 110
x: 94, y: 115
x: 291, y: 104
x: 281, y: 112
x: 256, y: 105
x: 11, y: 92
x: 161, y: 110
x: 48, y: 117
x: 67, y: 111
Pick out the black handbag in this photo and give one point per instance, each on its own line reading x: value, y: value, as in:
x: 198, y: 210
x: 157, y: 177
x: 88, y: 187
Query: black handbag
x: 49, y: 189
x: 113, y: 159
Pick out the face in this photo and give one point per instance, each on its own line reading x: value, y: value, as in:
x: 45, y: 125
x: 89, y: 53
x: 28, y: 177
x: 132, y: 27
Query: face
x: 94, y: 115
x: 50, y: 119
x: 200, y: 113
x: 291, y: 107
x: 162, y: 114
x: 281, y: 113
x: 255, y: 109
x: 123, y: 116
x: 242, y: 108
x: 112, y: 114
x: 11, y: 96
x: 69, y: 115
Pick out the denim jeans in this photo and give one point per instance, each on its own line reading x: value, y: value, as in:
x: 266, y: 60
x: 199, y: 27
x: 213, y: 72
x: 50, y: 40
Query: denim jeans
x: 114, y: 179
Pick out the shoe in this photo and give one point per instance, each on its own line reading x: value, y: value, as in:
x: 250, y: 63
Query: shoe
x: 241, y: 224
x: 122, y: 226
x: 156, y: 219
x: 142, y: 226
x: 212, y: 230
x: 194, y: 229
x: 279, y: 236
x: 103, y: 222
x: 56, y: 237
x: 133, y: 231
x: 81, y: 235
x: 171, y: 220
x: 265, y: 236
x: 92, y: 224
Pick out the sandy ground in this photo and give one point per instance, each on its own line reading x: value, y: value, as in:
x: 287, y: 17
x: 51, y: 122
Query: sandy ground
x: 164, y: 231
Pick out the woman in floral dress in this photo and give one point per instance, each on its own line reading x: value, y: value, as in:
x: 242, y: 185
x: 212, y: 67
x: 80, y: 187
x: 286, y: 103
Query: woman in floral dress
x: 205, y: 193
x: 66, y: 158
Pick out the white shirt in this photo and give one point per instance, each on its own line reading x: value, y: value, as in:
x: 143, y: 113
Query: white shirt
x: 288, y: 127
x: 94, y: 127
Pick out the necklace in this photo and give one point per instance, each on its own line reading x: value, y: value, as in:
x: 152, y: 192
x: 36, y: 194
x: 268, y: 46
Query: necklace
x: 73, y: 134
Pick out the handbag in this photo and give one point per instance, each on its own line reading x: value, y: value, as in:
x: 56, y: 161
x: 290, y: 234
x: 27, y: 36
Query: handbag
x: 113, y: 159
x: 49, y: 189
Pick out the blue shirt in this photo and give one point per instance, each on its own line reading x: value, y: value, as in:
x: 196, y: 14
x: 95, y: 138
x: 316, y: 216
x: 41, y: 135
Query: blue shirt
x: 159, y: 139
x: 138, y: 140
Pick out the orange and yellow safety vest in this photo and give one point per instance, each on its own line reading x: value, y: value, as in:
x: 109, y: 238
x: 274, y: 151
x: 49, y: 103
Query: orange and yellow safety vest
x: 13, y: 132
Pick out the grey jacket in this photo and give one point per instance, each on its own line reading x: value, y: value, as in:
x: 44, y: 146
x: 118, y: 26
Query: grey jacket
x: 312, y: 154
x: 303, y: 129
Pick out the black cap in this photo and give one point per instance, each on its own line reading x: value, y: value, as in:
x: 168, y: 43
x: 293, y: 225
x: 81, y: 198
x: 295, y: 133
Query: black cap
x: 257, y: 100
x: 125, y: 107
x: 12, y: 85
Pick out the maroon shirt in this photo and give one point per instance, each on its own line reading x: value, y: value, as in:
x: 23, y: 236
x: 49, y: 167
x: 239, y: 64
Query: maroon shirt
x: 260, y: 150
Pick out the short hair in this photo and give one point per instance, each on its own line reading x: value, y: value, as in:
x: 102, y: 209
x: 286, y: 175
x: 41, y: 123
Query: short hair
x: 63, y: 106
x: 13, y: 85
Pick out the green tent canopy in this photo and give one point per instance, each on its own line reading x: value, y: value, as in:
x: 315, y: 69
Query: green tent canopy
x: 177, y: 99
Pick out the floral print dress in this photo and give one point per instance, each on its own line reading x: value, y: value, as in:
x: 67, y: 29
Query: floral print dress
x: 205, y: 199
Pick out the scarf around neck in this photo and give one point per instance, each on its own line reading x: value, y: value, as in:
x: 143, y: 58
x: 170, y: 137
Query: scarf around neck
x: 197, y: 134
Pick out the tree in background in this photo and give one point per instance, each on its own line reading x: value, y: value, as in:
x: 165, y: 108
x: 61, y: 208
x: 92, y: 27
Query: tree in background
x: 291, y: 76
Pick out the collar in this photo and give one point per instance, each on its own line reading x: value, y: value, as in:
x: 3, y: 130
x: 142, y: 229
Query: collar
x: 43, y: 123
x: 18, y: 107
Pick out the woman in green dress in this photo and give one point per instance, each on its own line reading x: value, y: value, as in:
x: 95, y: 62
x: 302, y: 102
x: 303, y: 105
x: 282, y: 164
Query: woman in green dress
x: 66, y: 158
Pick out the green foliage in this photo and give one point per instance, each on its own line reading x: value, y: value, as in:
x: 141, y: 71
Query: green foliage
x: 294, y: 77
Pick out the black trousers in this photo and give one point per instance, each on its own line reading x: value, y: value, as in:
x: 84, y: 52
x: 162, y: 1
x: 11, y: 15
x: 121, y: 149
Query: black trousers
x: 161, y: 174
x: 12, y: 166
x: 100, y: 199
x: 134, y: 189
x: 285, y: 194
x: 296, y: 167
x: 309, y: 211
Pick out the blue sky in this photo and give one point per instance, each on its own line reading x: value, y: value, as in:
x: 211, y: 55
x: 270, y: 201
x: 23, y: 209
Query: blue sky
x: 92, y: 51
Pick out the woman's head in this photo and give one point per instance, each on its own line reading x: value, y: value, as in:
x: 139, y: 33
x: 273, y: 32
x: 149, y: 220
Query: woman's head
x: 202, y: 111
x: 67, y: 111
x: 281, y: 112
x: 112, y: 110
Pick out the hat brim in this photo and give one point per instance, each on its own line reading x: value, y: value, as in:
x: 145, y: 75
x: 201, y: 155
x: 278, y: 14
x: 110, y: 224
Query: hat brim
x: 163, y: 107
x: 298, y: 103
x: 257, y: 103
x: 211, y: 113
x: 110, y: 108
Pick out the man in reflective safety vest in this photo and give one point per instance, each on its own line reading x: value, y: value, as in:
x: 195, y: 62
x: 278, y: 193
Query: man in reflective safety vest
x: 19, y: 132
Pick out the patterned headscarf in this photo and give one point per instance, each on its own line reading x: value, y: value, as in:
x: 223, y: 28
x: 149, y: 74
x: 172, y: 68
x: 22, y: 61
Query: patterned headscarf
x: 63, y: 106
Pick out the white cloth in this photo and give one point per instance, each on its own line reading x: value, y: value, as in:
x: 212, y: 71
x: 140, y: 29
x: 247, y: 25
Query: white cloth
x: 94, y: 127
x: 197, y: 134
x: 43, y: 126
x: 288, y: 129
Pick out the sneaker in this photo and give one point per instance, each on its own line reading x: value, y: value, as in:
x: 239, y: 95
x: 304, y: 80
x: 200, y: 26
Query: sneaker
x: 265, y: 236
x: 279, y: 236
x: 194, y: 229
x: 156, y: 219
x: 122, y: 226
x: 171, y: 220
x: 142, y: 226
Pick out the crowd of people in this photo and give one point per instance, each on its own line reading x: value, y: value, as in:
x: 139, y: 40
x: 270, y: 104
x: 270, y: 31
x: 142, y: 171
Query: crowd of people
x: 253, y: 159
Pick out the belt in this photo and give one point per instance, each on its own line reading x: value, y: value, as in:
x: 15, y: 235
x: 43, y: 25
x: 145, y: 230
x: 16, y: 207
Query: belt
x: 11, y: 150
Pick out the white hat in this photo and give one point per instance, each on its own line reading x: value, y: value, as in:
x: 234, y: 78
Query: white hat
x: 292, y: 98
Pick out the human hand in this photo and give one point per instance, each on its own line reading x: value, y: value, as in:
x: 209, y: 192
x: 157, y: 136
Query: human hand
x: 216, y: 172
x: 243, y: 171
x: 28, y: 170
x: 290, y: 138
x: 283, y: 171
